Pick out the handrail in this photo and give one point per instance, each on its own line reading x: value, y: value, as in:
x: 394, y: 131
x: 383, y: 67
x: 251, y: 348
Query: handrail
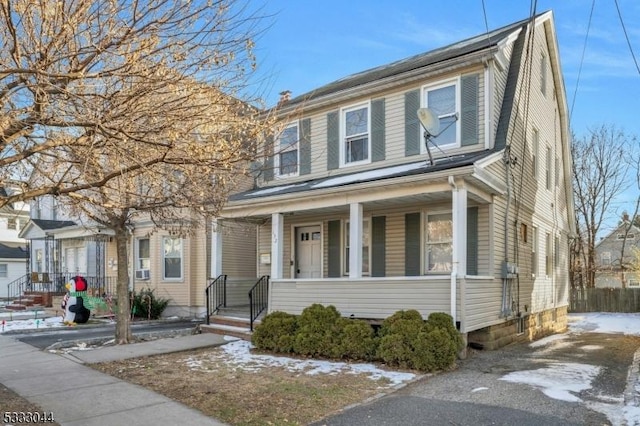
x: 217, y: 297
x: 258, y: 299
x: 43, y: 282
x: 16, y: 288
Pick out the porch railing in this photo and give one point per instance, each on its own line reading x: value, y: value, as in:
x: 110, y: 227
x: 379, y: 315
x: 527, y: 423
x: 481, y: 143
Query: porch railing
x: 55, y: 283
x: 258, y: 299
x: 216, y: 295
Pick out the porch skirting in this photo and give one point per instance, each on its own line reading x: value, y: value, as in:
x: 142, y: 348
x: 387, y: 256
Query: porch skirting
x: 527, y: 328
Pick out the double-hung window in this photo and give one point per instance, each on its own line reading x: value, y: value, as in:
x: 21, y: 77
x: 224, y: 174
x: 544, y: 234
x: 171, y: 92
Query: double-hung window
x: 439, y: 242
x: 534, y: 252
x: 443, y: 100
x: 172, y: 258
x: 4, y: 270
x: 287, y: 153
x: 143, y: 258
x: 356, y: 128
x: 365, y: 246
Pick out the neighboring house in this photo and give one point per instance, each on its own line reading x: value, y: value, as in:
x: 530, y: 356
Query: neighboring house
x: 608, y: 251
x: 351, y: 212
x: 13, y: 253
x: 61, y: 246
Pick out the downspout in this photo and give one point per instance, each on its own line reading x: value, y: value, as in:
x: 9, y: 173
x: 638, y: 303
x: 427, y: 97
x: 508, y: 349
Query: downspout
x: 454, y: 266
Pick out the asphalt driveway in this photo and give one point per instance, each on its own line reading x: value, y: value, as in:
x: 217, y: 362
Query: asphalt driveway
x: 478, y: 391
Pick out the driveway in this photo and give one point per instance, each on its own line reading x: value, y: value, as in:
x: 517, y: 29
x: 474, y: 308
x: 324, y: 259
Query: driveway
x: 572, y: 378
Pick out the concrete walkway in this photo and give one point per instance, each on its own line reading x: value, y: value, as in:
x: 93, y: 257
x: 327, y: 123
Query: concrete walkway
x: 79, y: 395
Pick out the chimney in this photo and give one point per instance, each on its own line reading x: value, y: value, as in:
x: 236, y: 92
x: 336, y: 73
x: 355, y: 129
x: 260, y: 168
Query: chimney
x: 625, y: 217
x: 285, y: 96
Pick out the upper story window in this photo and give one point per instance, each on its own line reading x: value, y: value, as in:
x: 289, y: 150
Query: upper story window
x: 605, y: 258
x: 629, y: 236
x: 443, y: 100
x: 356, y: 143
x: 287, y: 151
x: 534, y: 252
x: 548, y: 169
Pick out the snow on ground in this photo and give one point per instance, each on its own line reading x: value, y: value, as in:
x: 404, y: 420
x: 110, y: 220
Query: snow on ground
x: 563, y: 380
x: 12, y: 322
x: 238, y: 355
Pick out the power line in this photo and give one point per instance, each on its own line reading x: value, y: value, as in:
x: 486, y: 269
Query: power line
x: 486, y: 23
x: 624, y: 29
x: 584, y: 48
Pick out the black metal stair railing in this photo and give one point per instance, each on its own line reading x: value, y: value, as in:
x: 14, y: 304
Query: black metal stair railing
x: 216, y: 295
x: 258, y: 299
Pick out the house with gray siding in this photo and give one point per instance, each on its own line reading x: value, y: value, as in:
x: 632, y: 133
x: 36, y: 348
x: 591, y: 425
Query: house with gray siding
x: 614, y: 267
x: 358, y: 208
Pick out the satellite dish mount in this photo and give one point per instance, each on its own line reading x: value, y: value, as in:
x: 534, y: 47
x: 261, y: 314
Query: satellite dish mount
x: 431, y: 125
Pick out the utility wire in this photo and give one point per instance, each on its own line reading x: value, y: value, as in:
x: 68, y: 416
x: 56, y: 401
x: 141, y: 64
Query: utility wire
x: 584, y: 48
x: 486, y: 23
x: 624, y: 29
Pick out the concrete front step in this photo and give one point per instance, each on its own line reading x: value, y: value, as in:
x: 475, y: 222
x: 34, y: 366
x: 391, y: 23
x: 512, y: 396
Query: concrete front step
x: 15, y: 307
x: 227, y: 330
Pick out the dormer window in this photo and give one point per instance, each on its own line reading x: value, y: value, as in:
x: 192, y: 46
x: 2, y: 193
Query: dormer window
x: 356, y: 144
x: 286, y: 157
x: 443, y: 100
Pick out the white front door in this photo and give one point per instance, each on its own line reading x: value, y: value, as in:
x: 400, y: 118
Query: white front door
x: 308, y: 252
x: 70, y: 259
x: 81, y: 260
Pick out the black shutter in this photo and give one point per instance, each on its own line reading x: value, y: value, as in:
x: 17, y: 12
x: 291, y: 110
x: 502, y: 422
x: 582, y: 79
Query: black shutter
x: 469, y: 117
x: 377, y: 130
x: 334, y: 249
x: 412, y: 244
x: 378, y: 249
x: 305, y: 146
x: 333, y: 141
x: 411, y: 123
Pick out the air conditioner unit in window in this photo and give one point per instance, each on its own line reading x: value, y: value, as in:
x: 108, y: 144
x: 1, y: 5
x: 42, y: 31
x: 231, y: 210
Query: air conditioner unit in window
x: 142, y: 274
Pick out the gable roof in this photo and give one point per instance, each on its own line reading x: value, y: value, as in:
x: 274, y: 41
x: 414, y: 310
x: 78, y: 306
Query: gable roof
x: 473, y: 44
x: 47, y: 225
x: 620, y: 229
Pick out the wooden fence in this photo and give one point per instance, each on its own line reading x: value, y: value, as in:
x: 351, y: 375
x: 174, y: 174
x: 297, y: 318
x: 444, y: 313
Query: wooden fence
x: 604, y: 300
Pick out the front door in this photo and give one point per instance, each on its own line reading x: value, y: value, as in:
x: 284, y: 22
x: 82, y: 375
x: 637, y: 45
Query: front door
x: 308, y: 252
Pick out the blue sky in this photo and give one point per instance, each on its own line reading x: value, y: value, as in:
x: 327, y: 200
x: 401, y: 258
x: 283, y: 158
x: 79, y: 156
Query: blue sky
x: 311, y: 43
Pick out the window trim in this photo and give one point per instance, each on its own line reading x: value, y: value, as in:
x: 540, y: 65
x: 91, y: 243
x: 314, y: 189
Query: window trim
x: 549, y: 171
x: 4, y: 274
x: 535, y: 151
x: 164, y: 272
x: 279, y: 150
x: 458, y: 110
x: 366, y: 224
x: 423, y: 238
x: 548, y: 259
x: 534, y: 251
x: 343, y: 135
x: 137, y: 254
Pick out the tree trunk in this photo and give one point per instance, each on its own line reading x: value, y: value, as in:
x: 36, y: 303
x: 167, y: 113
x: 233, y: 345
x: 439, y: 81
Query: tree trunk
x: 123, y: 326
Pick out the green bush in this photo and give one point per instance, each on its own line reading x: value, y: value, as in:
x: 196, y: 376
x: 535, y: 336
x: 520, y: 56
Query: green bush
x: 395, y: 350
x: 145, y: 299
x: 399, y: 332
x: 319, y: 332
x: 399, y: 321
x: 276, y: 332
x: 358, y: 340
x: 445, y: 322
x: 434, y: 350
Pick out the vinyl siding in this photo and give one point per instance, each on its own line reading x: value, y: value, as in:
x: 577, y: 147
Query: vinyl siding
x: 372, y: 298
x: 394, y: 130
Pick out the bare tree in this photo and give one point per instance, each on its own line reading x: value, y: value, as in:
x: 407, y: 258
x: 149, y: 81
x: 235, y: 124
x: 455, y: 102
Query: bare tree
x: 600, y: 165
x: 126, y: 110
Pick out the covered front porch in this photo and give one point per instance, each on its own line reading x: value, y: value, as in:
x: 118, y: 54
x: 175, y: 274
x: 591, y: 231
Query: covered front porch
x: 425, y: 243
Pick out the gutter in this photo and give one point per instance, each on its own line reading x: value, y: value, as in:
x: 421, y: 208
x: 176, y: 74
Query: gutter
x: 454, y: 267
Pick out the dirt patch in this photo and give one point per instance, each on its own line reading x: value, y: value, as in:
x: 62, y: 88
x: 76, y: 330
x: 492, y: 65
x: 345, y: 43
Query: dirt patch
x: 247, y: 395
x: 12, y: 402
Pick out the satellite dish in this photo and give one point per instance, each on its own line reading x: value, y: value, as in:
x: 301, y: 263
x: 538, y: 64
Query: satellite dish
x: 429, y: 121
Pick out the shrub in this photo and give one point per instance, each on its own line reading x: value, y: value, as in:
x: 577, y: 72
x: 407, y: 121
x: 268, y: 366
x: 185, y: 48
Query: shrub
x: 145, y: 299
x: 319, y: 332
x: 399, y: 321
x: 395, y: 350
x: 276, y: 332
x: 434, y: 350
x: 358, y: 340
x: 445, y: 322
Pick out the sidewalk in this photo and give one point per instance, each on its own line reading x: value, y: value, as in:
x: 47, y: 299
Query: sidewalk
x: 80, y: 395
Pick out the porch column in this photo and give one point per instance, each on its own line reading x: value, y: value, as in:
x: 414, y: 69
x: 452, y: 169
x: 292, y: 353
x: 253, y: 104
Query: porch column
x: 216, y: 249
x: 355, y: 240
x: 277, y: 245
x: 459, y: 255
